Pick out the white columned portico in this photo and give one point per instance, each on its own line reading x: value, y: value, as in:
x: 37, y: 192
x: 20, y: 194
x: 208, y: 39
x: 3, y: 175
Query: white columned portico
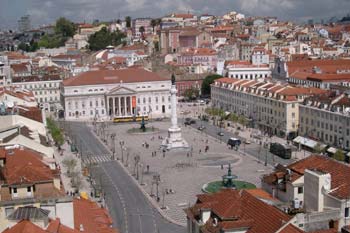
x: 113, y: 107
x: 125, y: 113
x: 119, y: 107
x: 130, y: 105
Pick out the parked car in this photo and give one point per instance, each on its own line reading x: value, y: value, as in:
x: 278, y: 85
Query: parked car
x: 201, y: 128
x: 221, y: 134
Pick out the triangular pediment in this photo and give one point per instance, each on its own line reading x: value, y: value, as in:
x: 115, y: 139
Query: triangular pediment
x: 121, y: 91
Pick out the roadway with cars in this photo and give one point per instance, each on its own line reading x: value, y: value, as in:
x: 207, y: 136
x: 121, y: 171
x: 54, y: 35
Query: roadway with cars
x: 258, y: 151
x: 130, y: 209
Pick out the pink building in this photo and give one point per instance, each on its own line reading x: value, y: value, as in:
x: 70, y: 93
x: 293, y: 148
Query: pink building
x: 198, y: 56
x: 177, y: 39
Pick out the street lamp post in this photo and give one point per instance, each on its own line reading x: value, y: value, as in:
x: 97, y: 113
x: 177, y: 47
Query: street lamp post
x: 113, y: 135
x: 156, y: 181
x: 121, y: 143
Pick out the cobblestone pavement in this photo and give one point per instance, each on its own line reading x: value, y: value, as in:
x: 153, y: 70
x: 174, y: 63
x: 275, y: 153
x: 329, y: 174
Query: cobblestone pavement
x: 180, y: 172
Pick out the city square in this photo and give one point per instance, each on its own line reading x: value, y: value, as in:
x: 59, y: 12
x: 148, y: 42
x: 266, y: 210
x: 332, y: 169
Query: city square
x: 182, y: 173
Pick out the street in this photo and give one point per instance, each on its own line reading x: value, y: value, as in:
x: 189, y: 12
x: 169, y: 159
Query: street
x: 130, y: 209
x: 258, y: 151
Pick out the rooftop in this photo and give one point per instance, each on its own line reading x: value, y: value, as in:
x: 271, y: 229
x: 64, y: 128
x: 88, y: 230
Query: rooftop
x: 238, y: 210
x: 340, y: 173
x: 130, y: 75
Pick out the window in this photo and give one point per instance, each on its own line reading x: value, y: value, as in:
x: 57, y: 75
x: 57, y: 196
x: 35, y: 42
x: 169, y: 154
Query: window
x: 90, y: 103
x: 163, y: 99
x: 9, y: 211
x: 14, y: 190
x: 347, y: 212
x: 29, y: 189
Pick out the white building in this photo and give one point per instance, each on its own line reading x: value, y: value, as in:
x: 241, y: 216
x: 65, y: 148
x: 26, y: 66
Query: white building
x: 246, y: 70
x: 319, y: 185
x: 45, y: 89
x: 105, y: 94
x: 5, y: 71
x: 327, y: 119
x: 260, y: 57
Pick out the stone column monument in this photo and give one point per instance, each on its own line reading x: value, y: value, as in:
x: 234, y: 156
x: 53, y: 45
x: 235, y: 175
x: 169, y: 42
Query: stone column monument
x: 174, y: 139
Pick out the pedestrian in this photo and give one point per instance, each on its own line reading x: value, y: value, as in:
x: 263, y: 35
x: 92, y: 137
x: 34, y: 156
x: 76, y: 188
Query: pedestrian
x: 155, y: 153
x: 200, y: 151
x: 163, y: 154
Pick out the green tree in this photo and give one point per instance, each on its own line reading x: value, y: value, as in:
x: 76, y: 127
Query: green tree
x: 191, y: 93
x: 318, y: 148
x: 55, y: 131
x: 142, y: 30
x: 128, y: 21
x: 339, y: 155
x: 65, y: 27
x: 23, y: 46
x: 70, y: 164
x: 207, y: 82
x: 103, y: 38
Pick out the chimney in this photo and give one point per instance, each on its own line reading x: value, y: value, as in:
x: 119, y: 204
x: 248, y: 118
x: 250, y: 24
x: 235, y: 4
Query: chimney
x: 316, y: 184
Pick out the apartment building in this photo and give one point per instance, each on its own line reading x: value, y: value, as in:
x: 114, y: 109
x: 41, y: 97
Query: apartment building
x: 247, y: 70
x: 46, y: 89
x: 26, y: 180
x: 317, y: 187
x: 272, y: 107
x: 327, y: 119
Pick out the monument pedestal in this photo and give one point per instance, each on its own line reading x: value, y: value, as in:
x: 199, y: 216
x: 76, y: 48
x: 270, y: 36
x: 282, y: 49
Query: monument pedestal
x: 174, y: 140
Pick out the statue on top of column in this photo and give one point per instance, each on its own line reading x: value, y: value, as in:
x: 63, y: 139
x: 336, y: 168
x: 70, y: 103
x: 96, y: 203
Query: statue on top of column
x: 173, y: 79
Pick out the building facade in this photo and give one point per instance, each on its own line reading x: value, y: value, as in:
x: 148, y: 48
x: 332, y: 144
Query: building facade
x: 106, y: 94
x: 272, y: 107
x: 46, y: 89
x: 246, y: 70
x: 326, y: 119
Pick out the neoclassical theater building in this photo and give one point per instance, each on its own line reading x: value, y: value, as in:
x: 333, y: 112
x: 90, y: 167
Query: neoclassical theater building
x: 105, y: 94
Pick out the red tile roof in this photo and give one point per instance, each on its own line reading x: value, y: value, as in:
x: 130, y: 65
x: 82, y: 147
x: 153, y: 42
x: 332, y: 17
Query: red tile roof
x: 55, y: 226
x: 113, y: 76
x: 340, y: 173
x: 24, y: 166
x: 18, y: 93
x: 238, y: 209
x: 93, y: 218
x: 25, y: 226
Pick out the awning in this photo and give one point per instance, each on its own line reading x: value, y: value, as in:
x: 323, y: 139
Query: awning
x: 308, y: 142
x: 332, y: 150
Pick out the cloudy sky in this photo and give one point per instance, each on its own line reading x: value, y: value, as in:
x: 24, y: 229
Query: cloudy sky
x: 46, y: 11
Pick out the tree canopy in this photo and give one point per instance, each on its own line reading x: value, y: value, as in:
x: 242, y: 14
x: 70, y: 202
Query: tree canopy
x: 128, y: 21
x: 207, y: 82
x: 103, y: 38
x: 64, y: 29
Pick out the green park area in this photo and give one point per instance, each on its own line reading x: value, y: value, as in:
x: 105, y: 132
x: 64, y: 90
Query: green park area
x: 216, y: 186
